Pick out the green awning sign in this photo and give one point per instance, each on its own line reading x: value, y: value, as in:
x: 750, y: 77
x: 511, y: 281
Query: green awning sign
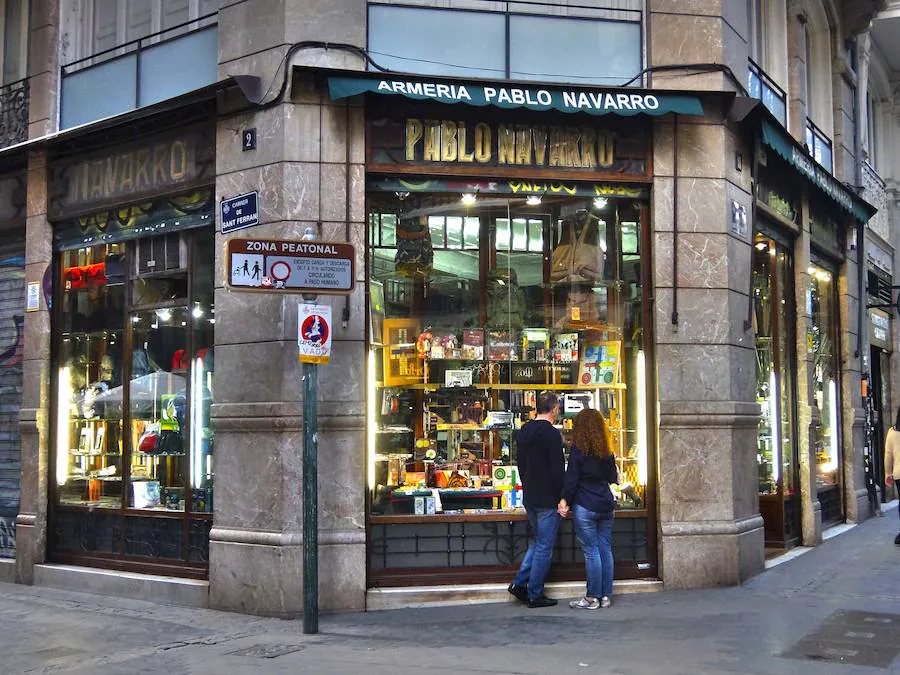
x: 625, y: 102
x: 795, y: 155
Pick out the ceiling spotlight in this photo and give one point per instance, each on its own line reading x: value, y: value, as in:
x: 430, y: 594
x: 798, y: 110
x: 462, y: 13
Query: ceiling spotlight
x: 533, y: 200
x: 600, y: 202
x: 468, y: 198
x: 197, y: 311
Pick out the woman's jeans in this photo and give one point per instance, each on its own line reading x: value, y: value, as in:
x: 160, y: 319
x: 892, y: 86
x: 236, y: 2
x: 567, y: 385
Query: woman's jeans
x: 594, y: 532
x: 536, y: 563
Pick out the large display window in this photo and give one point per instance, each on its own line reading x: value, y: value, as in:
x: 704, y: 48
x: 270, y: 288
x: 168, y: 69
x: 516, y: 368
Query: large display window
x: 477, y: 304
x: 132, y: 463
x: 826, y: 388
x: 774, y: 326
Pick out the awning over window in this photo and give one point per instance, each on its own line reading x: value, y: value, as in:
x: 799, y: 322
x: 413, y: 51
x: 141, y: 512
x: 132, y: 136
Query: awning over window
x: 509, y: 95
x: 795, y: 154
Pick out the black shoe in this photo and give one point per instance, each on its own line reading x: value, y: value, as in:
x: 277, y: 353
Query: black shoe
x: 520, y: 592
x: 897, y: 540
x: 542, y: 601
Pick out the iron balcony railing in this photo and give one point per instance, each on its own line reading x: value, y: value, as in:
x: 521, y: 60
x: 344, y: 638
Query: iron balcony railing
x: 819, y: 145
x: 763, y: 87
x: 13, y: 113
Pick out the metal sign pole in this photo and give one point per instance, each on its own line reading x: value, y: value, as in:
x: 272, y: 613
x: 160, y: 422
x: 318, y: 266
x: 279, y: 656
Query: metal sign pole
x: 310, y: 500
x: 310, y: 374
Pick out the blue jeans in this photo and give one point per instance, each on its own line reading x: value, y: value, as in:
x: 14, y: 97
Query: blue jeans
x: 594, y: 531
x: 536, y: 563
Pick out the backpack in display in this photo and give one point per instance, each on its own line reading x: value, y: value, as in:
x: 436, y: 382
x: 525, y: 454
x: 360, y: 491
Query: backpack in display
x: 578, y: 259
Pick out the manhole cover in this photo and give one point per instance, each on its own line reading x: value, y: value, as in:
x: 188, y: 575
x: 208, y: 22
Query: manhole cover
x: 852, y: 637
x: 266, y: 651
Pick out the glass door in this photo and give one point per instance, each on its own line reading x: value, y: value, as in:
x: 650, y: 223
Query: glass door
x: 773, y: 300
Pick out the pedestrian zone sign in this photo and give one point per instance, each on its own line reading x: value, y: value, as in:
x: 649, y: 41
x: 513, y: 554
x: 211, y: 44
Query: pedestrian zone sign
x: 314, y: 333
x: 290, y: 266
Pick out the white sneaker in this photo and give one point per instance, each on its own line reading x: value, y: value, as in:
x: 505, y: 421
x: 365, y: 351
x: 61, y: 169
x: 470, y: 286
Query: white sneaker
x: 605, y: 602
x: 585, y: 603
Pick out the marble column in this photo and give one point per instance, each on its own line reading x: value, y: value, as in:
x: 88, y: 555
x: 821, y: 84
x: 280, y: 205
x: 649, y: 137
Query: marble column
x: 309, y: 170
x: 710, y: 527
x: 31, y: 522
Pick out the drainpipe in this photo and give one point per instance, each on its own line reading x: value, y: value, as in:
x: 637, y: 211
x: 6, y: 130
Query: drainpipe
x: 675, y: 224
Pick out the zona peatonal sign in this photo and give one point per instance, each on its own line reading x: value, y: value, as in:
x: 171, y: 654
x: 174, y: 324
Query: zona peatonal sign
x: 291, y: 266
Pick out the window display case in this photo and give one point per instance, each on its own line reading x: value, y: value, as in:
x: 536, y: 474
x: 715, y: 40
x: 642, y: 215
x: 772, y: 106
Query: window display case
x: 134, y: 326
x: 485, y: 305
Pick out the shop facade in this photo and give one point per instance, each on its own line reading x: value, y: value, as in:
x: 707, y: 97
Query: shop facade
x: 807, y: 343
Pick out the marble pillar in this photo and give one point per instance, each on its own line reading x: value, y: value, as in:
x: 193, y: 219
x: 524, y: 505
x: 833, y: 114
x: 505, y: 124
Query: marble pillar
x: 34, y: 414
x: 309, y: 170
x: 710, y: 527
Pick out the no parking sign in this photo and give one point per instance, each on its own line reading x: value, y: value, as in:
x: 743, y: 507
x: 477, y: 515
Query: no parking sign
x: 314, y: 333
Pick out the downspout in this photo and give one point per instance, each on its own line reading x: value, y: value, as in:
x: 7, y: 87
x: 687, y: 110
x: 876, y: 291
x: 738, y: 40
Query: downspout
x: 675, y: 223
x: 345, y: 315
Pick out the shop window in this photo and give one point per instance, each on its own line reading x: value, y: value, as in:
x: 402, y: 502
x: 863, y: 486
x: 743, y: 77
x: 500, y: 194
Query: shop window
x: 603, y: 47
x: 521, y: 297
x: 134, y: 388
x: 826, y: 386
x: 773, y: 323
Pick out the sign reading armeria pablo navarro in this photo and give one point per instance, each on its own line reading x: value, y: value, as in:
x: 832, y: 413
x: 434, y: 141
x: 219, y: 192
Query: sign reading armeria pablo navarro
x: 620, y: 101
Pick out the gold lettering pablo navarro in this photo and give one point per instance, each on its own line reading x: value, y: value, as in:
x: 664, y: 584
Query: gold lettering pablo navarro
x: 139, y: 170
x: 508, y: 144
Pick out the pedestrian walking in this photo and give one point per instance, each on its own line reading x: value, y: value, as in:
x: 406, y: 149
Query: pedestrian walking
x: 892, y: 460
x: 589, y: 499
x: 541, y: 470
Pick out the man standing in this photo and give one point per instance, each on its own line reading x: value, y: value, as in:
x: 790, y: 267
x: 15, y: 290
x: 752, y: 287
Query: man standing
x: 542, y: 471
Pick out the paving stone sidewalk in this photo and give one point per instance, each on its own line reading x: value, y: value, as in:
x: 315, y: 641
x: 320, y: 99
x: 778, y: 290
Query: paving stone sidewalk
x: 827, y: 611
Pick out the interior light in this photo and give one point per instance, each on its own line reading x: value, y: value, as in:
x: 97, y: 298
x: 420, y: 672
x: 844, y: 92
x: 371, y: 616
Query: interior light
x: 64, y: 398
x: 642, y: 419
x: 469, y: 198
x: 164, y: 314
x: 533, y: 200
x: 762, y: 246
x: 811, y: 270
x: 370, y: 414
x: 773, y: 423
x: 600, y: 203
x: 196, y: 426
x: 831, y: 464
x: 198, y: 311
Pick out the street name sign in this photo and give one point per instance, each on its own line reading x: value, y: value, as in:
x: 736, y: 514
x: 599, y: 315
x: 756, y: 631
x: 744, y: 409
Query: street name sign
x: 240, y: 212
x: 294, y: 266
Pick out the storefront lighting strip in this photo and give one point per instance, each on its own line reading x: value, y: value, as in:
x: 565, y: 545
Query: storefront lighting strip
x: 832, y: 418
x: 773, y: 424
x: 64, y: 398
x: 196, y: 431
x: 642, y: 418
x: 370, y: 417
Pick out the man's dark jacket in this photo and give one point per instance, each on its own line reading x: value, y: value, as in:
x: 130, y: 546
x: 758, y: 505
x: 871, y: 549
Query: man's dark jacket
x: 542, y: 466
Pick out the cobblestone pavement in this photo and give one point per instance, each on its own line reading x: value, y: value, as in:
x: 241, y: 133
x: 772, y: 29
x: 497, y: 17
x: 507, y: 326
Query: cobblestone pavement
x: 761, y: 627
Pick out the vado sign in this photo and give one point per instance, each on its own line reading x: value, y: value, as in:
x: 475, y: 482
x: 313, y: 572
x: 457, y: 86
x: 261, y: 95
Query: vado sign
x: 314, y: 333
x: 291, y: 266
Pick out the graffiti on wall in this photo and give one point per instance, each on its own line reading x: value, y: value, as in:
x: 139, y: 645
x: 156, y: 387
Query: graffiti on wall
x: 12, y: 322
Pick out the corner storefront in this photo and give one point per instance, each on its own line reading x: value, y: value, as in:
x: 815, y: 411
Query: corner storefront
x: 508, y: 252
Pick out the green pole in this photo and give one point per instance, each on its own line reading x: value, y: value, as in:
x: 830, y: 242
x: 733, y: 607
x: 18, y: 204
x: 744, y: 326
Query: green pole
x: 310, y: 500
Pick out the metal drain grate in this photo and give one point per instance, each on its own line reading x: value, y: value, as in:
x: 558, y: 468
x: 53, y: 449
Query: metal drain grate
x: 266, y: 651
x: 852, y: 637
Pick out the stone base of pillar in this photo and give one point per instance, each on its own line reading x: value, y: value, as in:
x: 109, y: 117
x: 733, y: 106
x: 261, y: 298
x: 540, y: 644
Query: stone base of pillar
x: 258, y: 573
x: 711, y: 553
x: 30, y: 546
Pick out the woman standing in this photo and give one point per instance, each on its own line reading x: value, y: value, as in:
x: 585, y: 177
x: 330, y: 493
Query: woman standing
x: 892, y: 459
x: 586, y: 492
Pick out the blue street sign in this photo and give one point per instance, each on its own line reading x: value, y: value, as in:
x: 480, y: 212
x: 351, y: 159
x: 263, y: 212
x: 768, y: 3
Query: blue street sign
x: 240, y: 212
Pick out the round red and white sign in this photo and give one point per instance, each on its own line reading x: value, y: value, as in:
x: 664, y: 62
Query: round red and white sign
x: 280, y: 271
x: 314, y: 329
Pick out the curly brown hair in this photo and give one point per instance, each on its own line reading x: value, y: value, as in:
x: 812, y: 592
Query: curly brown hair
x: 590, y: 433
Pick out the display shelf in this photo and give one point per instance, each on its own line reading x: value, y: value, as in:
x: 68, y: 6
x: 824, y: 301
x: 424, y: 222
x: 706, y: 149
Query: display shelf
x: 518, y: 387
